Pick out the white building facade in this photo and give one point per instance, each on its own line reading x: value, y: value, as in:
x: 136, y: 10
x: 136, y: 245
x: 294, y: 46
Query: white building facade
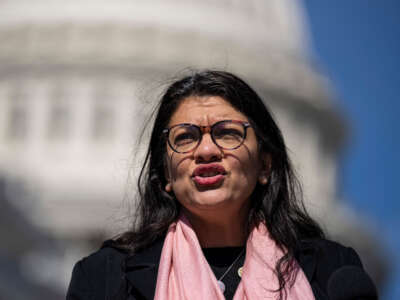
x: 79, y: 78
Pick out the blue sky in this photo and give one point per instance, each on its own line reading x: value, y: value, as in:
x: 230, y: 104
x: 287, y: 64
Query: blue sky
x: 357, y: 44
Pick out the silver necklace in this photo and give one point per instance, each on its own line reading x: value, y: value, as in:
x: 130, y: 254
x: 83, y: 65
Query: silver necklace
x: 219, y: 280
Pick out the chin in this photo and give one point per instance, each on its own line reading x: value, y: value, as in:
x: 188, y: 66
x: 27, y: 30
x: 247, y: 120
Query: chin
x: 211, y: 199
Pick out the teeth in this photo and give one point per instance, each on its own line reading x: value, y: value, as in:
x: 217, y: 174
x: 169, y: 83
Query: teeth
x: 209, y: 174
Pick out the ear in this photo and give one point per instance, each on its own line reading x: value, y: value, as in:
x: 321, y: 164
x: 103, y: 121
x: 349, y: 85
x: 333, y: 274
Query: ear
x: 265, y: 169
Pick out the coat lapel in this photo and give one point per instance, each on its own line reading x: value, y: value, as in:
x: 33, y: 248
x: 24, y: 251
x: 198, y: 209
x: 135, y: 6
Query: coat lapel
x: 307, y: 256
x: 142, y: 269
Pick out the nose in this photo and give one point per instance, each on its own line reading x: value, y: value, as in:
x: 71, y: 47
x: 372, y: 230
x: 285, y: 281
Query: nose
x: 207, y: 150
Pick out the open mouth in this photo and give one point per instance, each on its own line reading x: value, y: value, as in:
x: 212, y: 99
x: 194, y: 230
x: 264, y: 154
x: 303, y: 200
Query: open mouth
x: 208, y: 175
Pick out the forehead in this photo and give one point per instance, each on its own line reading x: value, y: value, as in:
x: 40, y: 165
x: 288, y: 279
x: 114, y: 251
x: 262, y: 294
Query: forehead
x: 205, y: 110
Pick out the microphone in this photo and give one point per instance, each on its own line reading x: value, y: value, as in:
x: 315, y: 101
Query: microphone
x: 351, y: 283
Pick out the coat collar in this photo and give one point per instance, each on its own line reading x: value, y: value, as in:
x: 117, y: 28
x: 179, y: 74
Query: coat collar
x: 306, y: 257
x: 142, y: 267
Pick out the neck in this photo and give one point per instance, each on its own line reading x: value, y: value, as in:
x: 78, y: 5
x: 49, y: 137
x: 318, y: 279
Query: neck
x: 214, y: 231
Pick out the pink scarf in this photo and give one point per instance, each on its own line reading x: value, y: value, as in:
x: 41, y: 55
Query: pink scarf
x: 184, y: 272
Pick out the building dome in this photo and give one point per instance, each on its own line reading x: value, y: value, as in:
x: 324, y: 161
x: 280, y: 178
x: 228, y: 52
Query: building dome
x: 71, y: 72
x: 264, y: 41
x: 75, y: 77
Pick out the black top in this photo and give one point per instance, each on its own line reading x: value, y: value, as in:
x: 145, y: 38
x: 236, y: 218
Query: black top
x: 113, y: 274
x: 220, y: 259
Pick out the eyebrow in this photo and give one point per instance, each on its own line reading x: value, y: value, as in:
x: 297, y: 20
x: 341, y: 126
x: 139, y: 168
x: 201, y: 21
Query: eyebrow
x: 215, y: 121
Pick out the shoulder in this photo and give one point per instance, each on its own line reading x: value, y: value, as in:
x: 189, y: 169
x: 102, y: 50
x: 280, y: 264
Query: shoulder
x: 332, y: 253
x: 98, y: 274
x: 321, y: 258
x: 101, y: 259
x: 335, y: 270
x: 111, y: 273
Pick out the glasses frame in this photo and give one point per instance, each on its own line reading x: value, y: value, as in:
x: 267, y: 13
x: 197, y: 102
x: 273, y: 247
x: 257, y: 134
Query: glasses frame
x: 207, y: 129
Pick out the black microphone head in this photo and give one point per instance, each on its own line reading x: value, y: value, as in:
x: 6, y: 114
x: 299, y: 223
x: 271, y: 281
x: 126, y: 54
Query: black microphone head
x: 351, y: 283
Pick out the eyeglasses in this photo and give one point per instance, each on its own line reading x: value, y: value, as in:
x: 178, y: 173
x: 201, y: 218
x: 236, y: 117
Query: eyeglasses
x: 226, y: 134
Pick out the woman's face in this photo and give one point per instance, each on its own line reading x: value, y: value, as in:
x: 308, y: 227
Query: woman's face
x: 210, y: 178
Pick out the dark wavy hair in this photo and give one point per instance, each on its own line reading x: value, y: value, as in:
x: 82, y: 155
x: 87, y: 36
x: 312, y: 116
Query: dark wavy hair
x: 278, y: 203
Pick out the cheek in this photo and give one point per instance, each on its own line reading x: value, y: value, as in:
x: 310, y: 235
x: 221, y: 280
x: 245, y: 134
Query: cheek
x: 177, y: 168
x: 247, y: 157
x: 247, y: 170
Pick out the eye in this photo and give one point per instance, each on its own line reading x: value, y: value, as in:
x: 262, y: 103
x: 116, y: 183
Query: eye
x: 184, y: 138
x: 227, y: 133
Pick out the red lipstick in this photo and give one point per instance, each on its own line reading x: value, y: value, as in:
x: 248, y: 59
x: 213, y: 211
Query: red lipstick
x: 209, y: 174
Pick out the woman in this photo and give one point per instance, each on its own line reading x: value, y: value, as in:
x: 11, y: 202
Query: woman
x: 219, y: 212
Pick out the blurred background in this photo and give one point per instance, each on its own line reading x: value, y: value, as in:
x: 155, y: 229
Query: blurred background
x: 78, y: 80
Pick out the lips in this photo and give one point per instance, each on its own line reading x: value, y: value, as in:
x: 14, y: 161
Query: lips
x: 208, y: 175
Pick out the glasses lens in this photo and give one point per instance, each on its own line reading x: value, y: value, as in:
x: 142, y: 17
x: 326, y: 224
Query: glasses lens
x: 228, y: 135
x: 184, y: 138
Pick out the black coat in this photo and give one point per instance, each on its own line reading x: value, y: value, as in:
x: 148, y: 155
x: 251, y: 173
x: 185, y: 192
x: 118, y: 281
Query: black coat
x: 109, y: 274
